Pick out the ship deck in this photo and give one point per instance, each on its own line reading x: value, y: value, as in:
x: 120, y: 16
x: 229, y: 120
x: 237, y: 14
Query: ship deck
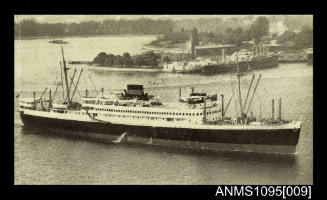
x: 145, y: 121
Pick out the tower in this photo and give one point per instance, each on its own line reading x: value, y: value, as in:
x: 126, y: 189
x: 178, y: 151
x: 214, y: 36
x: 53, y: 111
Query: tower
x: 194, y: 42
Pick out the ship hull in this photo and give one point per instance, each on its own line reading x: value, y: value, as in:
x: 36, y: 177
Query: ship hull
x: 267, y: 140
x: 256, y: 63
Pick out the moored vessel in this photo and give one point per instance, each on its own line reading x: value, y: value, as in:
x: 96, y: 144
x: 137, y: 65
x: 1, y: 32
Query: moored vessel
x: 242, y: 60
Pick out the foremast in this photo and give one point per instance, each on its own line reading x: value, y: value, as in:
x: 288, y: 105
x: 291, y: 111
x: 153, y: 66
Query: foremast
x: 65, y: 73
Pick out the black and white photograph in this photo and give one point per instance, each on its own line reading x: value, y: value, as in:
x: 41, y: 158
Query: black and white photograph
x: 163, y: 99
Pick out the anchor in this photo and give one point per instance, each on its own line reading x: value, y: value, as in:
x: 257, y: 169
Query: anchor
x: 121, y: 138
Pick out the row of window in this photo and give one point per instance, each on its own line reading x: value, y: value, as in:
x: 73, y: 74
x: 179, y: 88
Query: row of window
x: 60, y: 111
x: 28, y: 102
x: 100, y: 103
x: 147, y: 112
x: 24, y: 107
x: 65, y: 111
x: 150, y: 118
x: 131, y: 111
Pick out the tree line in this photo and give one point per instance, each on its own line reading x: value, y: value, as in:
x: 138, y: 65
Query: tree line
x: 173, y: 30
x: 126, y: 60
x: 302, y: 39
x: 258, y: 32
x: 143, y: 26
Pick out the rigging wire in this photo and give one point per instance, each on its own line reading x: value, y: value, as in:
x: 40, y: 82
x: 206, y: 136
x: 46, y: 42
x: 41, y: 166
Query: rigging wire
x: 248, y: 92
x: 255, y: 88
x: 93, y: 85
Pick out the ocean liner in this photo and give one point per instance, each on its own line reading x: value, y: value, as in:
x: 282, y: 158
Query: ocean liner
x: 242, y: 60
x: 195, y: 121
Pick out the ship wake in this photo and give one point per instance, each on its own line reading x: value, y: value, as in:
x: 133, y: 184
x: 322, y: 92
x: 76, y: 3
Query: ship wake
x: 119, y: 140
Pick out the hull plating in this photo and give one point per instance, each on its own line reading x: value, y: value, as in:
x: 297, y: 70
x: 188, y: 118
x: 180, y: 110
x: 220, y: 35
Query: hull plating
x: 211, y: 139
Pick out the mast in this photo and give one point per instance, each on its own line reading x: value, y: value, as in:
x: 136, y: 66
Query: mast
x: 237, y: 66
x: 223, y: 55
x: 71, y: 81
x: 222, y: 107
x: 280, y: 111
x: 180, y: 94
x: 65, y: 71
x: 50, y: 100
x: 272, y: 109
x: 62, y: 83
x: 205, y: 110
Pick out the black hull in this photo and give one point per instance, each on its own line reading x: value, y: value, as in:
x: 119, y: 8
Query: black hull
x: 284, y: 137
x: 256, y: 63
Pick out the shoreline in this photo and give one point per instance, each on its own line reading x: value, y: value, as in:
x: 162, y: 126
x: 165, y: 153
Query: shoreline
x: 77, y: 36
x: 124, y: 69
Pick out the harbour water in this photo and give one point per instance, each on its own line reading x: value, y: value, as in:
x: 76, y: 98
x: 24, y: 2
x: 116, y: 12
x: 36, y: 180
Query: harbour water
x: 63, y: 157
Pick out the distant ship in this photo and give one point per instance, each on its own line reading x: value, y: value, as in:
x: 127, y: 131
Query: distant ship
x: 242, y: 60
x: 196, y: 121
x: 309, y: 52
x: 197, y: 65
x: 58, y: 42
